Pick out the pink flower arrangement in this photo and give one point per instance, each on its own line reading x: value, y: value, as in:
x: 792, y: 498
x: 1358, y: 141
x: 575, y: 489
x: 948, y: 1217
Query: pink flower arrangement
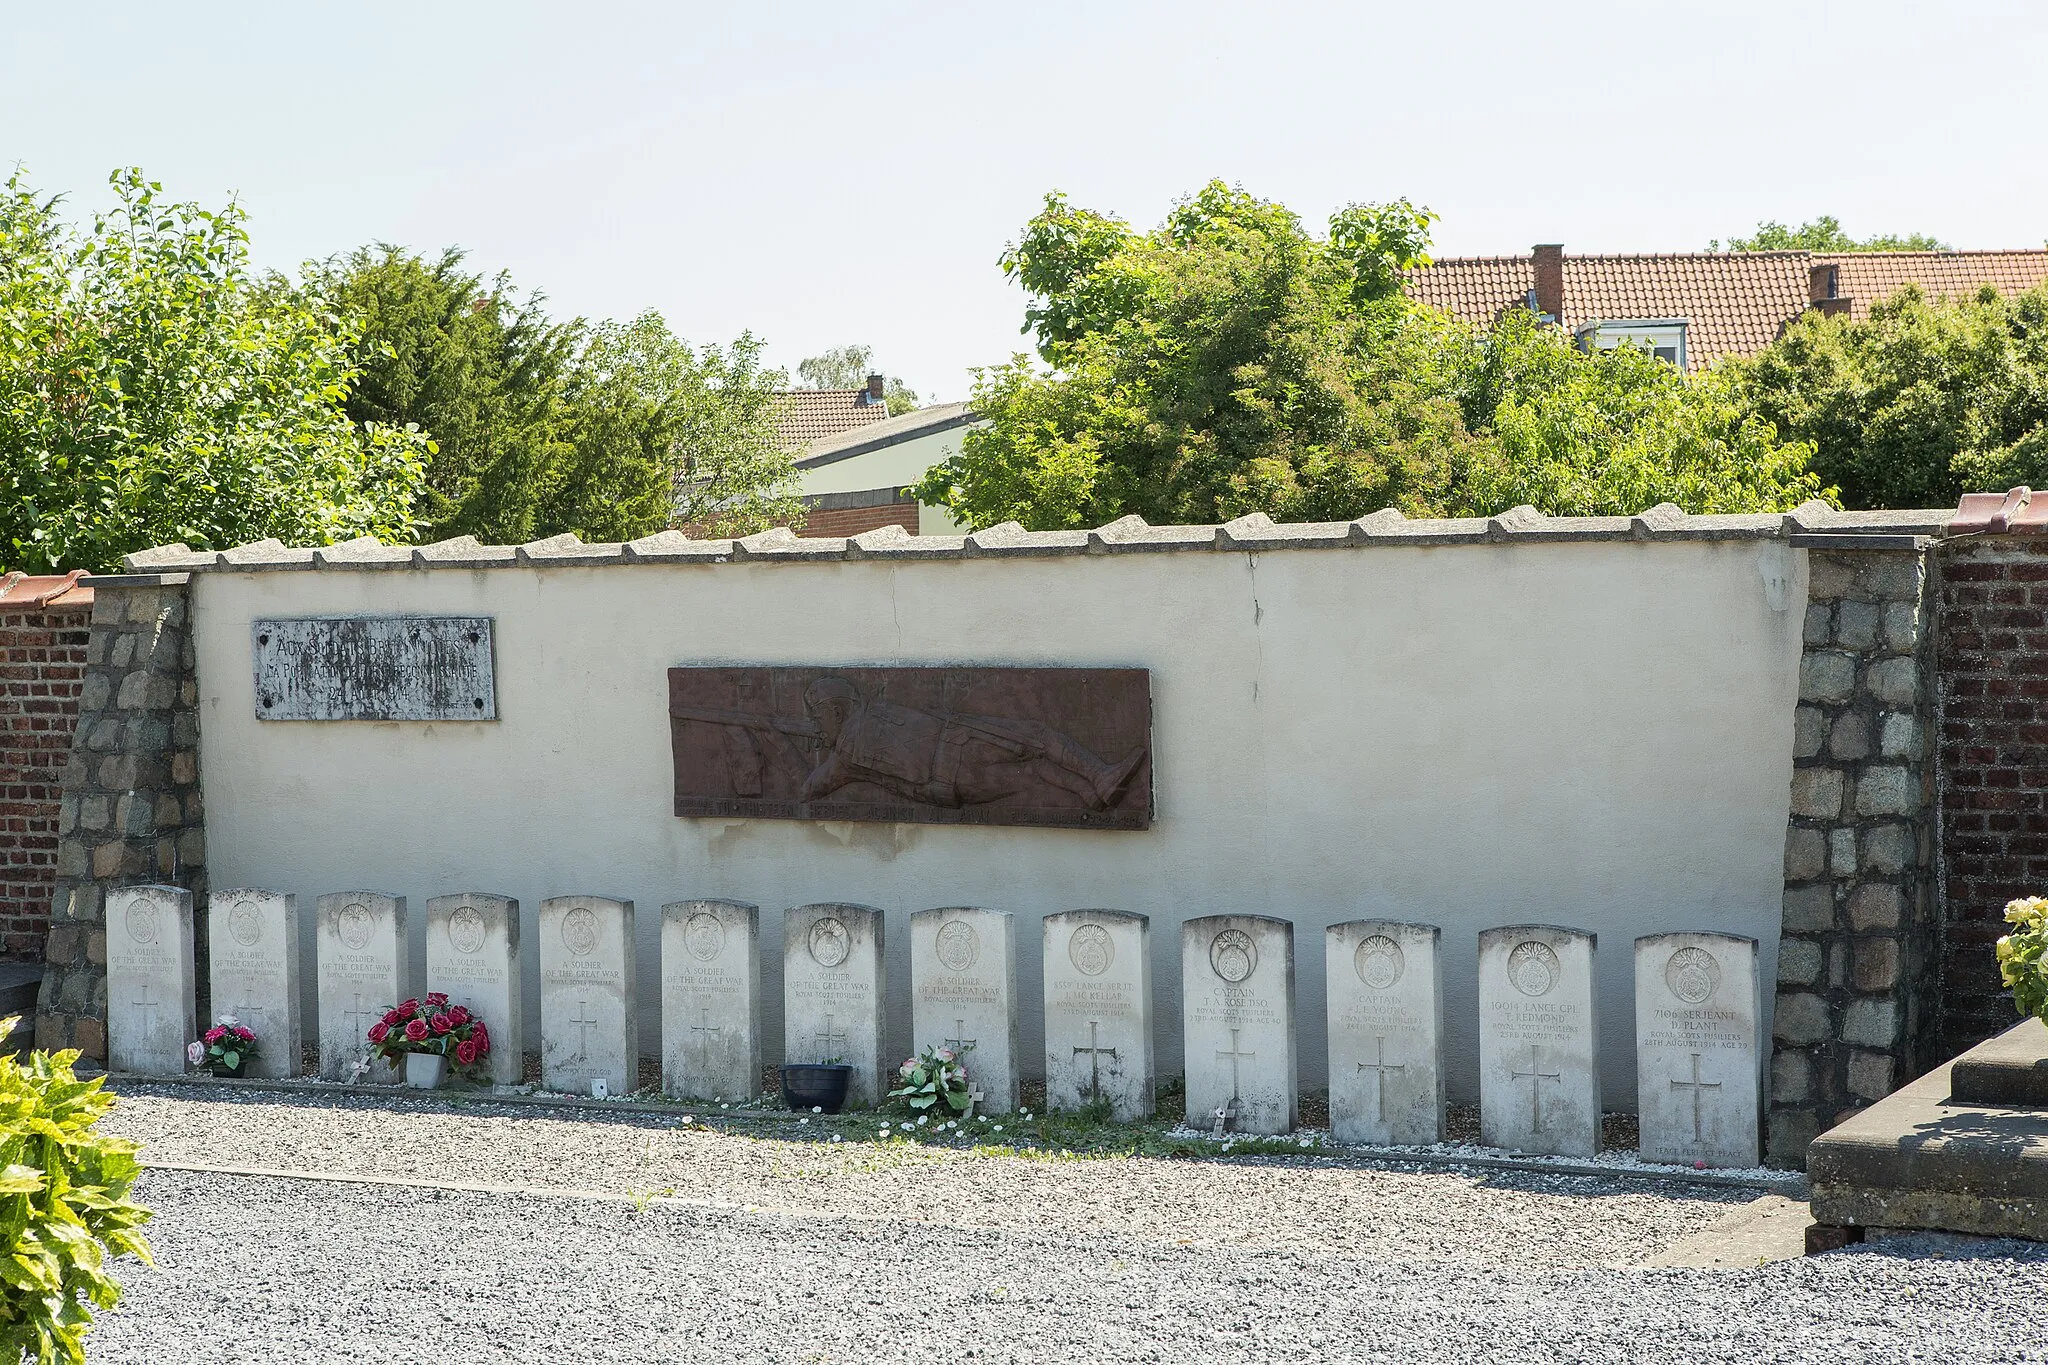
x: 434, y: 1026
x: 225, y: 1048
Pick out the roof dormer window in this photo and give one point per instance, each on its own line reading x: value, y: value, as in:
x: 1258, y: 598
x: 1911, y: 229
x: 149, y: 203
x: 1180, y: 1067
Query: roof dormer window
x: 1661, y: 337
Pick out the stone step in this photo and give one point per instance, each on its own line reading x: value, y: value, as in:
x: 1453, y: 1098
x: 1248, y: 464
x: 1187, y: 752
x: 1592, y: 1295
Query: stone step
x: 2011, y: 1069
x: 1924, y: 1157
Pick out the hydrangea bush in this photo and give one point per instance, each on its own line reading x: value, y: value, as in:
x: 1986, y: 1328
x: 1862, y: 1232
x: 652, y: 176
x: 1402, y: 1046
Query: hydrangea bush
x: 2023, y: 955
x: 933, y: 1079
x: 65, y: 1214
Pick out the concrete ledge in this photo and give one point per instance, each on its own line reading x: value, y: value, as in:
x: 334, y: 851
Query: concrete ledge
x: 2011, y: 1069
x: 1922, y: 1158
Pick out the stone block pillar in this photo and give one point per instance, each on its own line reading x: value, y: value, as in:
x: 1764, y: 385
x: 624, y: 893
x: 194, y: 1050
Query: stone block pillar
x: 131, y: 810
x: 1858, y: 961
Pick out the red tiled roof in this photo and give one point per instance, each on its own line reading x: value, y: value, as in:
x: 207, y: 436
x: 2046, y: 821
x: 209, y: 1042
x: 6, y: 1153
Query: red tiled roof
x: 1865, y: 277
x: 808, y: 414
x: 1735, y: 303
x: 56, y: 590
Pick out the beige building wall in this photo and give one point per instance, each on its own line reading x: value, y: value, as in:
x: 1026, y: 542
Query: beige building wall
x: 896, y: 466
x: 1594, y: 735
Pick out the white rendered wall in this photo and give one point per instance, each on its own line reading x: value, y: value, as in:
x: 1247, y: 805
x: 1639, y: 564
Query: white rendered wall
x: 1594, y: 735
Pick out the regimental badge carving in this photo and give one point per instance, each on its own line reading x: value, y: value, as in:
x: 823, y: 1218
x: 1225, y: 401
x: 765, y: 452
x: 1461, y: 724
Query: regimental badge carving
x: 579, y: 930
x: 355, y: 925
x: 466, y: 929
x: 704, y: 936
x: 957, y: 945
x: 1065, y: 747
x: 1379, y: 962
x: 1091, y: 950
x: 142, y: 923
x: 1693, y: 975
x: 830, y: 943
x: 245, y: 925
x: 1532, y: 968
x: 1233, y: 955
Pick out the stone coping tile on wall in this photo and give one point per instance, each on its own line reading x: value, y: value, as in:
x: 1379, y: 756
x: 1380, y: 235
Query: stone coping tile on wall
x: 1126, y: 535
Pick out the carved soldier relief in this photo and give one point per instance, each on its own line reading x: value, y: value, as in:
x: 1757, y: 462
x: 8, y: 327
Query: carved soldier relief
x: 997, y: 746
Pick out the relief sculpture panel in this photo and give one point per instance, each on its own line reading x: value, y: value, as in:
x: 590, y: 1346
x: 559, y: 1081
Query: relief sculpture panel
x: 1065, y: 747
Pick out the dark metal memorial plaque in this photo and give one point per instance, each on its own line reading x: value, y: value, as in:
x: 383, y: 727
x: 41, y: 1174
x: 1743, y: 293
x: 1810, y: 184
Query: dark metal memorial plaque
x: 374, y: 668
x: 1066, y: 747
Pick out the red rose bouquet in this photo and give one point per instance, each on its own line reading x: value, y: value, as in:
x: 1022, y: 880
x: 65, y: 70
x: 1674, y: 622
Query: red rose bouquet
x: 434, y: 1026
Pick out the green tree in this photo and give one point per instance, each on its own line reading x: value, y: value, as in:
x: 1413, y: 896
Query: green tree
x: 152, y: 391
x: 1230, y: 361
x: 612, y: 431
x: 475, y: 364
x: 665, y: 435
x: 1825, y: 234
x: 1919, y: 402
x: 848, y: 367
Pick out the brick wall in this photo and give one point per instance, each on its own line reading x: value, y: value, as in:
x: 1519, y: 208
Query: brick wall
x: 1857, y: 989
x: 853, y: 521
x: 1993, y: 716
x: 43, y: 629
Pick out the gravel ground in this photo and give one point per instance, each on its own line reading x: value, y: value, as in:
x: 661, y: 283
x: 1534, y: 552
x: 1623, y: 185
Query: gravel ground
x: 1299, y: 1205
x: 243, y: 1278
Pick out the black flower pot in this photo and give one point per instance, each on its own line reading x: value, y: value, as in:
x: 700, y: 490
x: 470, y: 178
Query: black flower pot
x: 809, y: 1087
x: 233, y: 1073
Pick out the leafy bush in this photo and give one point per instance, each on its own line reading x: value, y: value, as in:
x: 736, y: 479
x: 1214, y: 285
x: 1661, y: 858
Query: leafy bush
x: 64, y: 1207
x: 1923, y: 400
x: 153, y: 390
x: 1231, y: 361
x: 936, y: 1076
x: 2023, y: 956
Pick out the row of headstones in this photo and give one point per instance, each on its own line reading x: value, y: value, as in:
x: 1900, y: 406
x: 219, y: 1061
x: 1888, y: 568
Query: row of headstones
x: 1696, y: 1008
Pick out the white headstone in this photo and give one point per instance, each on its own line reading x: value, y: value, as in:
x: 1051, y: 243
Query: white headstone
x: 589, y: 1023
x: 360, y: 956
x: 711, y: 999
x: 1237, y: 1012
x: 832, y: 992
x: 1098, y: 1011
x: 473, y: 958
x: 252, y: 947
x: 1385, y: 991
x: 1539, y: 1057
x: 1698, y: 1081
x: 963, y: 990
x: 151, y: 1013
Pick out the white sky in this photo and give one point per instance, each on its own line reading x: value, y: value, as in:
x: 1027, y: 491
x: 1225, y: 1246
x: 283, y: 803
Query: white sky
x: 823, y: 174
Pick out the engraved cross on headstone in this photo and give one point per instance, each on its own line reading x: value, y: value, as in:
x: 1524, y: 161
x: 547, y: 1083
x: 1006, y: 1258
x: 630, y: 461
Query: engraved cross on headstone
x: 148, y: 1005
x: 1096, y: 1052
x: 1536, y: 1080
x: 1696, y: 1085
x: 1379, y: 1070
x: 356, y: 1014
x: 827, y: 1036
x: 1234, y: 1053
x: 583, y: 1027
x: 707, y: 1027
x: 960, y: 1043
